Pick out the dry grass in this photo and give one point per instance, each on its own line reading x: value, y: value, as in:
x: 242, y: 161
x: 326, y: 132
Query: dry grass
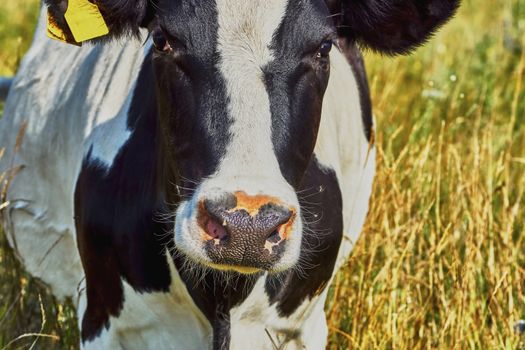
x: 440, y: 263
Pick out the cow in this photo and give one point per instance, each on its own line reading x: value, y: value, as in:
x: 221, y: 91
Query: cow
x: 195, y: 178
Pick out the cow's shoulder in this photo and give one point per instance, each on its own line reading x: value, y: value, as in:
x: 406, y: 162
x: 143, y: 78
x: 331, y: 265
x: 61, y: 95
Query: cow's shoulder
x: 156, y: 319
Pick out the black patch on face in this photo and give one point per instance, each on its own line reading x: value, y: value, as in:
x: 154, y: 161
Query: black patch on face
x: 296, y: 81
x: 115, y: 215
x: 191, y: 90
x: 322, y: 207
x: 355, y: 58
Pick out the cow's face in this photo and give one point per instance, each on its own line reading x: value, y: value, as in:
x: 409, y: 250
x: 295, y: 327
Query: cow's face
x: 240, y: 87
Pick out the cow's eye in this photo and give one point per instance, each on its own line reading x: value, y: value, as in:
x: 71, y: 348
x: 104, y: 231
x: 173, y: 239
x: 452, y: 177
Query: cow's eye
x: 324, y: 49
x: 160, y: 41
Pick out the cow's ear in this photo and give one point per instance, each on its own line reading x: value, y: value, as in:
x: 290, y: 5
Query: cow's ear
x: 126, y: 17
x: 391, y: 26
x: 115, y: 18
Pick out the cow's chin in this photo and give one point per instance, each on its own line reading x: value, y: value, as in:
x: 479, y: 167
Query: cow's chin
x: 191, y: 244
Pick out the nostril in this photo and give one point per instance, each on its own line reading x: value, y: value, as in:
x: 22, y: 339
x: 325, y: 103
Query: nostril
x: 216, y: 230
x: 212, y: 219
x: 274, y: 237
x: 283, y: 220
x: 286, y: 216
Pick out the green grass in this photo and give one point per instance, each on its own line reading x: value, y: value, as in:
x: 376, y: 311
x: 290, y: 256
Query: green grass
x: 441, y: 261
x: 17, y: 23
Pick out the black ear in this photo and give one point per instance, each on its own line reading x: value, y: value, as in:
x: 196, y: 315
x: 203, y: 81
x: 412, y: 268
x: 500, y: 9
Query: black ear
x: 123, y: 17
x: 391, y: 26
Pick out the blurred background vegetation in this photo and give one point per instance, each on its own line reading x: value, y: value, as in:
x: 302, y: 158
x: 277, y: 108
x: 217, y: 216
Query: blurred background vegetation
x: 441, y: 261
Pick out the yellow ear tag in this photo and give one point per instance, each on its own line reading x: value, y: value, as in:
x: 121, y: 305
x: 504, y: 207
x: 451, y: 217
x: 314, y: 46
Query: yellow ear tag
x: 85, y: 20
x: 56, y: 33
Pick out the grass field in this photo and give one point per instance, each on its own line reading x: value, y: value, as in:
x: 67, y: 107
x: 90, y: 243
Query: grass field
x: 441, y: 261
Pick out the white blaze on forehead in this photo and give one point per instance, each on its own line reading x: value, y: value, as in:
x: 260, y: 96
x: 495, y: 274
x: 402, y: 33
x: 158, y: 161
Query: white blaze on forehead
x: 245, y: 34
x: 246, y: 30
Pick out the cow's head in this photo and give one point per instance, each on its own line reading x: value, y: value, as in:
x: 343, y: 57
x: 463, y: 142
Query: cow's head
x: 240, y: 86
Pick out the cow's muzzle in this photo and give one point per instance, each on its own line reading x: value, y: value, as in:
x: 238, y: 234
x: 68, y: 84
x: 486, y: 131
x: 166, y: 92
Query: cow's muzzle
x: 242, y: 232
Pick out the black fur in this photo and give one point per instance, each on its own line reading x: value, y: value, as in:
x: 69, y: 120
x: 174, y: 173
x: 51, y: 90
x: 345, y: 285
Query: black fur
x: 296, y: 81
x: 196, y: 132
x: 355, y: 58
x: 322, y: 206
x: 391, y: 26
x: 125, y: 16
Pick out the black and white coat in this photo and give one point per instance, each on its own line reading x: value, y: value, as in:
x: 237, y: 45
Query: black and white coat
x: 122, y: 144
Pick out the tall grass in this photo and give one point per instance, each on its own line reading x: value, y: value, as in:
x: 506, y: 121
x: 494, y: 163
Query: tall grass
x: 440, y: 263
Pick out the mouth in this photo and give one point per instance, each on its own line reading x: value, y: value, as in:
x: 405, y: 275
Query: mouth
x: 243, y: 270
